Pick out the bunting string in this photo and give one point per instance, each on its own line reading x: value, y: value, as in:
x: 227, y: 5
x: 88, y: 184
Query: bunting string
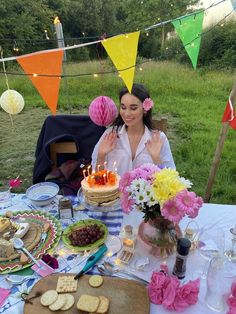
x: 99, y: 41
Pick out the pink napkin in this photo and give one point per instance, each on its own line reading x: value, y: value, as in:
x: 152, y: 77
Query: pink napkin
x: 4, y: 293
x: 43, y: 271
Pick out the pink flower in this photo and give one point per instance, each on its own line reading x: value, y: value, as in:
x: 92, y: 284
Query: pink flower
x: 232, y: 310
x: 231, y: 301
x: 125, y: 180
x: 148, y: 104
x: 15, y: 183
x: 233, y: 289
x: 155, y: 288
x: 188, y: 202
x: 170, y: 288
x: 171, y: 211
x: 126, y: 202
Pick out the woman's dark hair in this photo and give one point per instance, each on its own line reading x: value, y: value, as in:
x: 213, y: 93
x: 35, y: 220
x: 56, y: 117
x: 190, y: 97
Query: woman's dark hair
x: 141, y: 93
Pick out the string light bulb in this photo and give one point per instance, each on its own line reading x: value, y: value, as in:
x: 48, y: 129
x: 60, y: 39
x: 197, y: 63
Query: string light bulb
x: 140, y: 69
x: 35, y: 75
x: 95, y: 75
x: 147, y: 34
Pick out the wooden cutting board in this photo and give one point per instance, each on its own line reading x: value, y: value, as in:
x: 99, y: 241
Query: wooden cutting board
x: 126, y: 296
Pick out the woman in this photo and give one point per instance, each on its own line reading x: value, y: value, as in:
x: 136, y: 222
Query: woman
x: 130, y: 141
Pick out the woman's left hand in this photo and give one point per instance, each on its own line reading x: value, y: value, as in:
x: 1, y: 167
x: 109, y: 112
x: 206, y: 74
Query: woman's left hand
x: 154, y: 146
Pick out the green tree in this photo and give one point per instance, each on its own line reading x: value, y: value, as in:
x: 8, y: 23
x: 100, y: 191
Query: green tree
x: 21, y: 21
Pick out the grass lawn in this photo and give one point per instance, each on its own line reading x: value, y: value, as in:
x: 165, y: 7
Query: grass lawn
x: 193, y: 102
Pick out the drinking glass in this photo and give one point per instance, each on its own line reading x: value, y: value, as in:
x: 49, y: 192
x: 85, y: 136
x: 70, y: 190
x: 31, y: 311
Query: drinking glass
x: 5, y: 197
x: 221, y: 273
x: 211, y: 243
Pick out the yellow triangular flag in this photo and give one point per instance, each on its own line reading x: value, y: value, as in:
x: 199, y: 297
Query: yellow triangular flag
x: 122, y: 50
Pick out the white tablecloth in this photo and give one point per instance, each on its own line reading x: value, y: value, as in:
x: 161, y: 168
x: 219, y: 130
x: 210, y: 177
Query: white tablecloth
x: 223, y: 216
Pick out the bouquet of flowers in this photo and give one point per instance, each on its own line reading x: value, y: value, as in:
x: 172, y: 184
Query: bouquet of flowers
x: 158, y: 192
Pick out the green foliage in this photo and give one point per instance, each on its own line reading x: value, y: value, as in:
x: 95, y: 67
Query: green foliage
x: 23, y: 19
x: 218, y: 48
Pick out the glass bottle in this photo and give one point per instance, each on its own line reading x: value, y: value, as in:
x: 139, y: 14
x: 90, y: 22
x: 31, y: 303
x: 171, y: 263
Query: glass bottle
x: 65, y: 208
x: 183, y: 246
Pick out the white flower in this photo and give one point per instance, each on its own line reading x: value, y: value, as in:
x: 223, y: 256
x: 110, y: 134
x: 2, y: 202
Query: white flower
x: 186, y: 182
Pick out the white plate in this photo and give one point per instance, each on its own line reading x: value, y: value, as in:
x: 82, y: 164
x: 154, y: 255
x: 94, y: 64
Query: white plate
x: 83, y: 202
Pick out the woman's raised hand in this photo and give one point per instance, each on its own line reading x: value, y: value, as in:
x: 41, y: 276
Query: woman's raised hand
x: 107, y: 144
x: 154, y: 146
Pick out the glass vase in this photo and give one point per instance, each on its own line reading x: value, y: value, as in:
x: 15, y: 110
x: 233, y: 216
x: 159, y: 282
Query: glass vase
x: 159, y: 235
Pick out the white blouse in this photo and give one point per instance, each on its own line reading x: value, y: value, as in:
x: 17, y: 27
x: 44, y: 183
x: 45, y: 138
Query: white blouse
x: 122, y: 155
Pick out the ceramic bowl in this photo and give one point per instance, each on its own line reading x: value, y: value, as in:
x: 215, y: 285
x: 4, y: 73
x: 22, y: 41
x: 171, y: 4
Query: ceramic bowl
x: 41, y: 194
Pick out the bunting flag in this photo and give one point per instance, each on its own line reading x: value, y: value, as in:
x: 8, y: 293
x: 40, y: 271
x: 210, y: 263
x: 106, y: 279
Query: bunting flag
x: 44, y: 63
x: 122, y: 50
x: 189, y: 29
x: 229, y: 114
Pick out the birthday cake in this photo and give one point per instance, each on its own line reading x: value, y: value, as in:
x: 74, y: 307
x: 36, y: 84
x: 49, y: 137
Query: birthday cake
x: 101, y: 188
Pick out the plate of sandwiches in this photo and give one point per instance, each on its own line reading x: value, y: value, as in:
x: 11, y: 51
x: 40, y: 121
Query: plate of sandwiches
x: 39, y: 231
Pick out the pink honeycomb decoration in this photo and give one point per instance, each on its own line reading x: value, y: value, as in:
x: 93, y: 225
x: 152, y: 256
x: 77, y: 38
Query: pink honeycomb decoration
x: 102, y: 111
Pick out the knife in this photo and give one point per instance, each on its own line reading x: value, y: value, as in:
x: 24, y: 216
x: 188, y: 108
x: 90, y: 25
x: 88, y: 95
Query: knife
x: 92, y: 260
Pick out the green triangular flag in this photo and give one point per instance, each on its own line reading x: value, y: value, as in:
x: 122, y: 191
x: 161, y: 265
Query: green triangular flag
x: 189, y: 29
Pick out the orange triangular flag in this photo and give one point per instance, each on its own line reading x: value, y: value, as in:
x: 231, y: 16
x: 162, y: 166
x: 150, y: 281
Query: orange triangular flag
x: 49, y: 63
x: 122, y: 50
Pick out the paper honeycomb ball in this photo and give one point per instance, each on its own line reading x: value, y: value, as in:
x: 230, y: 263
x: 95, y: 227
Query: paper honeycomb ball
x: 102, y: 111
x: 11, y: 101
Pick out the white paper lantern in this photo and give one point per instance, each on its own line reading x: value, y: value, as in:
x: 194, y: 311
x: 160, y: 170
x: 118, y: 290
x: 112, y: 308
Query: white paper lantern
x: 11, y: 101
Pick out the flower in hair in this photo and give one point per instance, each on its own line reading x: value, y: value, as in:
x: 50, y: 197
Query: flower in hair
x: 148, y: 104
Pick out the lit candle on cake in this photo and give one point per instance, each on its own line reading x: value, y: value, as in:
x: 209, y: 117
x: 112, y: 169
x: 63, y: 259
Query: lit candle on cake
x: 105, y: 177
x: 84, y: 173
x: 88, y: 169
x: 105, y: 165
x: 114, y: 165
x: 98, y: 167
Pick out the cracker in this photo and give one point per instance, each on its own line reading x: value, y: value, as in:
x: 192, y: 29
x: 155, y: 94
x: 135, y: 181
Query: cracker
x: 48, y: 297
x: 96, y: 281
x: 88, y: 303
x: 59, y: 303
x: 70, y: 300
x: 66, y: 284
x: 103, y: 305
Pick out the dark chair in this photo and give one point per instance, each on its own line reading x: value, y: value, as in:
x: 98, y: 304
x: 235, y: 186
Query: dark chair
x: 160, y: 124
x: 78, y: 129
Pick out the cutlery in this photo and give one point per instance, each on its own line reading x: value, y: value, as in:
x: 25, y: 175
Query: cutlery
x: 108, y: 270
x: 19, y: 245
x: 17, y: 279
x: 92, y: 260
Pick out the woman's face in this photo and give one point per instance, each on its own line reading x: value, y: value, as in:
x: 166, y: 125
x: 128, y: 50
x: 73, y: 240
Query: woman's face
x: 131, y: 110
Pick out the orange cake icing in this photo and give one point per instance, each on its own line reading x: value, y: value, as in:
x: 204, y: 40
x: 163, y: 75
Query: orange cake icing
x: 101, y: 188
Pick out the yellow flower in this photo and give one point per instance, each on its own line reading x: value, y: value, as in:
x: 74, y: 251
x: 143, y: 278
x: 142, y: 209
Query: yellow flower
x: 166, y: 184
